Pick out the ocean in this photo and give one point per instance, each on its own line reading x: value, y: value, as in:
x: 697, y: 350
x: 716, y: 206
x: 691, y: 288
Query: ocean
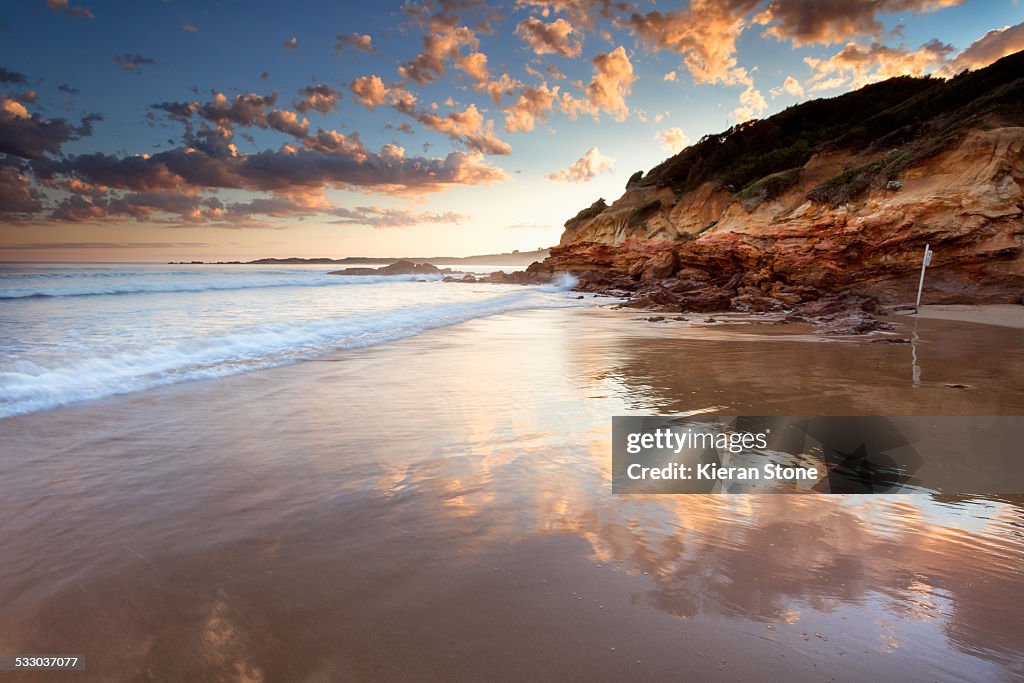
x: 74, y: 332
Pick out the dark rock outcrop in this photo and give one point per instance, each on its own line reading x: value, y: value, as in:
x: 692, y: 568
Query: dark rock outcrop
x: 537, y: 273
x: 396, y: 268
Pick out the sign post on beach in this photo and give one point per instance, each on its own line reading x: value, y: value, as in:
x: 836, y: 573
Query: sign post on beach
x: 920, y: 285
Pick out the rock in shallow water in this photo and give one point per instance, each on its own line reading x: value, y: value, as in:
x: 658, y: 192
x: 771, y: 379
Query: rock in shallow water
x: 396, y: 268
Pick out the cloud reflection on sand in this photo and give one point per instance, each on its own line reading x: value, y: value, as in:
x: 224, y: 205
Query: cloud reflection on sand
x: 442, y: 505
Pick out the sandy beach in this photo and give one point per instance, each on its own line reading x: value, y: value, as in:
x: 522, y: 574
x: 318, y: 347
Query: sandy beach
x: 439, y: 508
x: 1003, y: 315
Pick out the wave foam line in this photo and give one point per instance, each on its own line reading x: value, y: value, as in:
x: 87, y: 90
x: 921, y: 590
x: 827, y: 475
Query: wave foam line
x: 27, y: 387
x: 230, y: 283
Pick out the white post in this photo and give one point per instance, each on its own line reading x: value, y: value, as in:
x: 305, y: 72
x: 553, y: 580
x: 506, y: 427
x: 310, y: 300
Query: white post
x: 920, y: 285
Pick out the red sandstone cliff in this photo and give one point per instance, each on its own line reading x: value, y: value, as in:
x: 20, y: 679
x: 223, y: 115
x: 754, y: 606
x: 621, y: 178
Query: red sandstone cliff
x: 846, y: 205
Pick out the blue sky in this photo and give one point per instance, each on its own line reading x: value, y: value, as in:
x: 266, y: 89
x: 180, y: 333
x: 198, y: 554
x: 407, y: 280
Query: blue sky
x: 187, y: 163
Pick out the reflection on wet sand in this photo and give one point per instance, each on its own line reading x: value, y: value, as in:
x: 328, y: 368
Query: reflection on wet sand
x: 737, y: 372
x: 356, y: 520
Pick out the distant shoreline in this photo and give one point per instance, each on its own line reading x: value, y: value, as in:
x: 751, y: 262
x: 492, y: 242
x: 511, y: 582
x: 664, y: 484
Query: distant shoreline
x: 514, y: 258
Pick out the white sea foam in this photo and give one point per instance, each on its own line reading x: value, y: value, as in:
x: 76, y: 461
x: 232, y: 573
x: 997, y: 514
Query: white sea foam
x: 563, y: 282
x: 29, y: 385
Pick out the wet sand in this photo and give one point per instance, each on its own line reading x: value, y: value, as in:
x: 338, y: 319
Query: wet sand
x: 1003, y: 315
x: 439, y: 508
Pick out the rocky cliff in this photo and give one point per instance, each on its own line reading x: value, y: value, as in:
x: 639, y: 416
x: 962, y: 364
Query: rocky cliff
x: 831, y: 196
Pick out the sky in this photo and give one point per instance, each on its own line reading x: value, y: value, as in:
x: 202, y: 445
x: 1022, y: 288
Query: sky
x: 174, y: 130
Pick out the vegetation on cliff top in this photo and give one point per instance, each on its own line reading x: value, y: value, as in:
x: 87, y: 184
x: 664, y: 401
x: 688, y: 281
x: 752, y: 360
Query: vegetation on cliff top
x: 586, y: 214
x: 898, y: 122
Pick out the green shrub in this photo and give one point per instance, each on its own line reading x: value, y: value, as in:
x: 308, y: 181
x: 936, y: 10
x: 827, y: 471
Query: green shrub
x: 592, y: 211
x: 841, y: 188
x: 768, y: 188
x: 643, y: 212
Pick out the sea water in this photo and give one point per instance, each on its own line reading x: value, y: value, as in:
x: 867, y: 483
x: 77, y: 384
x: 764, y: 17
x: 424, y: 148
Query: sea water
x: 73, y: 332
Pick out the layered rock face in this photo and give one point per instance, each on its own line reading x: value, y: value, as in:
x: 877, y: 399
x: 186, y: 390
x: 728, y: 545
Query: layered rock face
x: 850, y: 219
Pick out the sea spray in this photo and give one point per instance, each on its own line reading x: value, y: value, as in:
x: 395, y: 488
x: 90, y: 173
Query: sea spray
x: 562, y: 282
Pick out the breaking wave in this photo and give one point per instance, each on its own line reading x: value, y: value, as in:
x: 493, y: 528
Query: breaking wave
x: 102, y: 283
x: 27, y: 386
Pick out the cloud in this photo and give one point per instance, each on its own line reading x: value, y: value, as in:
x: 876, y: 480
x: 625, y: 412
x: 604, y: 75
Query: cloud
x: 278, y: 205
x: 790, y: 86
x: 76, y: 186
x: 549, y: 39
x: 581, y: 12
x: 475, y: 66
x: 254, y: 110
x: 288, y: 122
x: 705, y: 33
x: 321, y: 97
x: 466, y: 127
x: 133, y: 62
x: 28, y: 97
x: 64, y: 7
x: 992, y: 46
x: 670, y: 76
x: 704, y: 36
x: 752, y: 104
x: 857, y: 65
x: 533, y: 105
x: 438, y: 48
x: 498, y: 88
x: 331, y: 141
x: 18, y: 199
x: 587, y: 167
x: 573, y: 107
x: 369, y: 91
x: 106, y: 245
x: 169, y: 187
x: 291, y: 44
x: 243, y: 110
x: 442, y: 15
x: 834, y: 21
x: 30, y: 136
x: 612, y: 83
x: 78, y: 209
x: 179, y: 111
x: 65, y: 88
x: 12, y: 77
x: 469, y: 128
x: 287, y: 170
x: 674, y: 139
x: 401, y: 99
x: 377, y: 217
x: 141, y: 206
x: 188, y: 26
x: 358, y: 41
